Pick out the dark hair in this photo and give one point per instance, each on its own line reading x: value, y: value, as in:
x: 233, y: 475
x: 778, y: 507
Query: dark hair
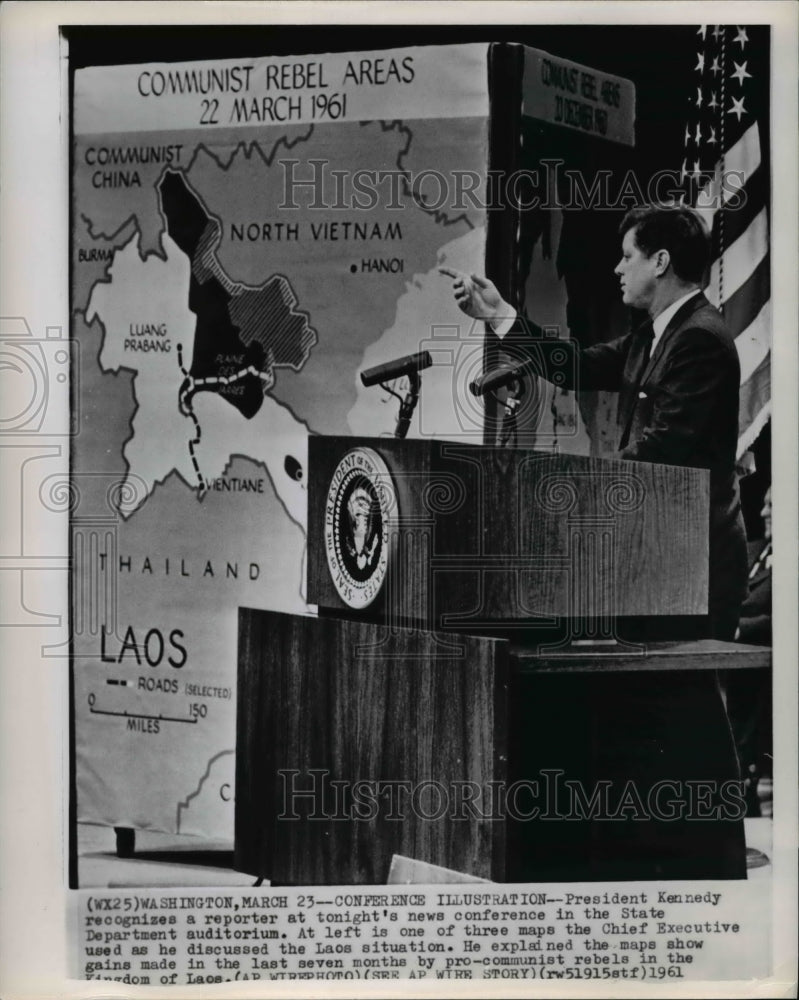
x: 679, y: 230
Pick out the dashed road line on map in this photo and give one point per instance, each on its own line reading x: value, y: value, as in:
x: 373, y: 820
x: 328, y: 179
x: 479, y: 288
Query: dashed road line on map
x: 185, y: 408
x: 191, y: 385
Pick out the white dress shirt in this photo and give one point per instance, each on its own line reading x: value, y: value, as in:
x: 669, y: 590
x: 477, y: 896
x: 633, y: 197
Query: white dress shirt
x: 662, y: 320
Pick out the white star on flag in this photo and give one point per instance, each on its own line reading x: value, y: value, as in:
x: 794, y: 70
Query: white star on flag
x: 702, y: 31
x: 712, y: 139
x: 742, y: 38
x: 740, y: 73
x: 699, y: 97
x: 698, y: 133
x: 715, y: 68
x: 701, y: 62
x: 737, y: 108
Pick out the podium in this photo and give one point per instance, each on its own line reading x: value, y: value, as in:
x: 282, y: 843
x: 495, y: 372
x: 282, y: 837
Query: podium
x: 488, y: 537
x: 489, y: 685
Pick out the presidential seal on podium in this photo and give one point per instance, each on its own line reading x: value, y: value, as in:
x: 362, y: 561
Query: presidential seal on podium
x: 360, y: 511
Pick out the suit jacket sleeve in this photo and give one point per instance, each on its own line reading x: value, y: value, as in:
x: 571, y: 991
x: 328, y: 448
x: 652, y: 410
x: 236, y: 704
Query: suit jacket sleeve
x: 598, y: 367
x: 755, y: 631
x: 685, y: 394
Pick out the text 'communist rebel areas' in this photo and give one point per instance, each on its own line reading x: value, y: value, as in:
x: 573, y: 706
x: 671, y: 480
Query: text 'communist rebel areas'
x: 276, y: 92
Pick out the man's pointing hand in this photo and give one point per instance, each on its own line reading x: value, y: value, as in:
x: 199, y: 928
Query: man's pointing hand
x: 477, y: 296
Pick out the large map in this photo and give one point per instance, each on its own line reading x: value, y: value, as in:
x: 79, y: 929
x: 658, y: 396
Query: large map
x: 247, y: 236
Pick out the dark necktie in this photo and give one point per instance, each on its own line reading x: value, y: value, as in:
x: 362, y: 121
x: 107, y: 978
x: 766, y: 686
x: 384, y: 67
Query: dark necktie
x: 647, y: 335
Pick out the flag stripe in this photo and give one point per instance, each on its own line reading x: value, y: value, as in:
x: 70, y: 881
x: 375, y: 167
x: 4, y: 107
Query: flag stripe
x: 742, y: 307
x: 755, y: 392
x: 754, y: 405
x: 742, y: 160
x: 754, y: 343
x: 744, y: 156
x: 709, y: 198
x: 738, y: 260
x: 749, y: 434
x: 738, y: 214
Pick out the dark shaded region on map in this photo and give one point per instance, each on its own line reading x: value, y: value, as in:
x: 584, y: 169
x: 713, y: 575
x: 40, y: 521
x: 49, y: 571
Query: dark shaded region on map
x: 241, y: 333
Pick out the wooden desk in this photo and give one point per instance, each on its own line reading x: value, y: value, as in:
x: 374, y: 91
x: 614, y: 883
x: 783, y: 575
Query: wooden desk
x: 702, y: 654
x: 419, y: 719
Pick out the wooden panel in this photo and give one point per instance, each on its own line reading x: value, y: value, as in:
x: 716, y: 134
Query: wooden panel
x: 706, y: 654
x: 570, y: 536
x: 635, y: 534
x: 489, y: 536
x: 338, y: 701
x: 354, y: 702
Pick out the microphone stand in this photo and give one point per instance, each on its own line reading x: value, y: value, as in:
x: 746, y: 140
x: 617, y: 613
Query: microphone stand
x: 407, y: 403
x: 508, y: 434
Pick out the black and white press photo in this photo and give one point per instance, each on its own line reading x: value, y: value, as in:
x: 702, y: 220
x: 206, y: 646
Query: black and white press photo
x: 397, y: 474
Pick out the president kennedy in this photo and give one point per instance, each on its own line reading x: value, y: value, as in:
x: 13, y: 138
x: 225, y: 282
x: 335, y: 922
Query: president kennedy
x: 677, y: 375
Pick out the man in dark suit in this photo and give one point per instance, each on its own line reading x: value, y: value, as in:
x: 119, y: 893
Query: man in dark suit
x: 677, y: 375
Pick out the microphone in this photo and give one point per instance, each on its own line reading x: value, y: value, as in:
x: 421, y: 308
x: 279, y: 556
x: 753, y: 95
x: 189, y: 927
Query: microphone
x: 396, y: 369
x: 498, y: 377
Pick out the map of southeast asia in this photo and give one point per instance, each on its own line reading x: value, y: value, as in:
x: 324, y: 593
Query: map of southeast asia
x: 243, y: 244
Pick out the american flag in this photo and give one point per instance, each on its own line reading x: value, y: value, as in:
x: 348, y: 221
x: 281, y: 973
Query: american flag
x: 725, y: 172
